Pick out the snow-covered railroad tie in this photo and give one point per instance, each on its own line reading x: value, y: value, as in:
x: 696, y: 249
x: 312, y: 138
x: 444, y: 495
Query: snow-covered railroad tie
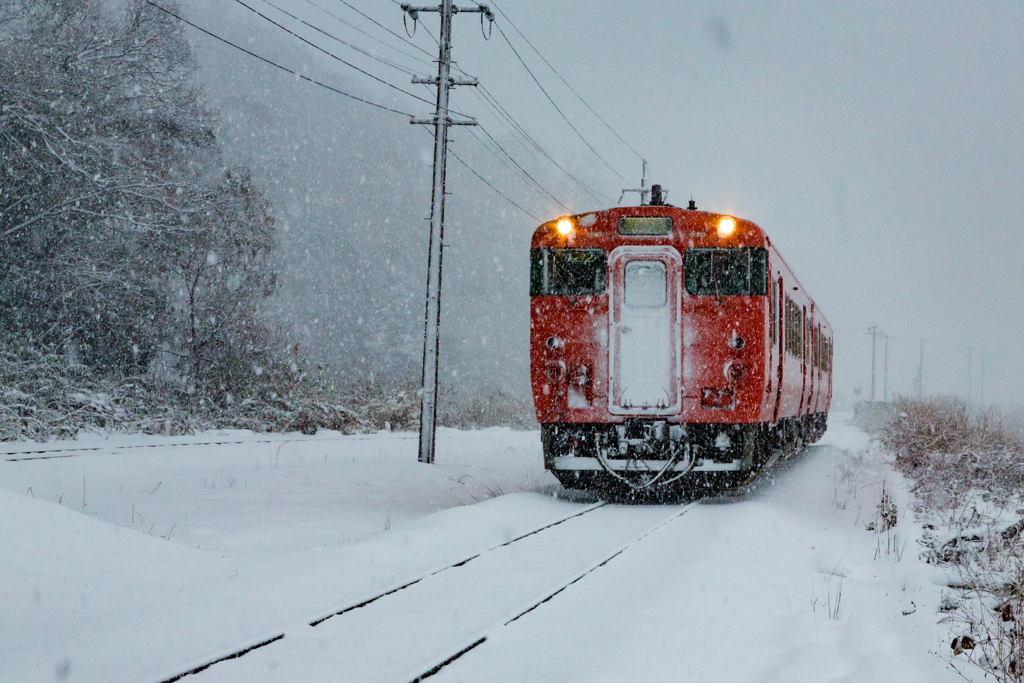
x: 205, y: 663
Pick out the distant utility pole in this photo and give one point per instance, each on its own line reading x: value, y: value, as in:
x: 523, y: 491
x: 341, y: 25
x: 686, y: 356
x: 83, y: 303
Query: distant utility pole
x: 441, y: 121
x: 970, y: 392
x: 874, y: 332
x: 920, y: 372
x: 885, y: 372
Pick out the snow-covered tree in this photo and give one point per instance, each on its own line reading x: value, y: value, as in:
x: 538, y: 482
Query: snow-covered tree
x: 124, y: 239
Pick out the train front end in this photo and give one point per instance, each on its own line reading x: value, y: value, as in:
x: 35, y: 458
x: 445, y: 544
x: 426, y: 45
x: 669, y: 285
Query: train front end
x: 648, y: 346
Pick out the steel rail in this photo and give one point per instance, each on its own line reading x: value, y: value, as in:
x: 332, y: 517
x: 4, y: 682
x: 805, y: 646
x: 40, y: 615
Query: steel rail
x: 432, y: 667
x: 72, y: 452
x: 279, y: 634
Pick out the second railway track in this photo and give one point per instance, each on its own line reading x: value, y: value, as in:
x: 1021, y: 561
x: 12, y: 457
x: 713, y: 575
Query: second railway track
x: 44, y: 452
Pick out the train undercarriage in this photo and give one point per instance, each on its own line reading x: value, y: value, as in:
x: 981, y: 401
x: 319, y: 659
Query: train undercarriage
x: 643, y: 458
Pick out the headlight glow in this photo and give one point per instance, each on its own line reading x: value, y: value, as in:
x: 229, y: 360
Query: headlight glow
x: 726, y: 226
x: 564, y: 226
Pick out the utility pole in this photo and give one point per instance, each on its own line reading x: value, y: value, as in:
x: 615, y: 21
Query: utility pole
x: 885, y: 372
x: 970, y: 392
x: 441, y: 121
x: 874, y: 332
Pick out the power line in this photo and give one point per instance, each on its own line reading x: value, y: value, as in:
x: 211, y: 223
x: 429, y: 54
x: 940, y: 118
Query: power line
x: 333, y: 90
x: 518, y: 167
x: 499, y: 110
x: 501, y: 113
x: 488, y: 184
x: 606, y: 124
x: 484, y: 180
x: 276, y: 65
x: 589, y: 146
x: 497, y: 156
x: 516, y: 138
x: 336, y: 57
x: 370, y: 36
x: 521, y: 169
x: 331, y: 54
x: 382, y: 60
x: 492, y: 101
x: 374, y: 21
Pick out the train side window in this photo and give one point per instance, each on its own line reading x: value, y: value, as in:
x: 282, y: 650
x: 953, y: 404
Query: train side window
x: 814, y: 346
x: 820, y: 351
x: 733, y: 271
x: 794, y: 329
x: 646, y: 284
x: 805, y: 334
x: 568, y: 272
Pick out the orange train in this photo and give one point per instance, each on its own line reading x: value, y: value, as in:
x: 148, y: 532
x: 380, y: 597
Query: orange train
x: 671, y: 347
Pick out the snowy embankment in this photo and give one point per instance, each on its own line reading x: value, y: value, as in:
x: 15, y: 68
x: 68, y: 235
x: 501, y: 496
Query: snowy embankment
x: 782, y: 582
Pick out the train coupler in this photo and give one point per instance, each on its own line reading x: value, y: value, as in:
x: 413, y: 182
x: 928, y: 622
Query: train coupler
x: 647, y: 439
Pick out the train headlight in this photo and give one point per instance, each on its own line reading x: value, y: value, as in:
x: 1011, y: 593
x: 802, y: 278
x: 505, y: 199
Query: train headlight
x: 564, y: 226
x: 726, y: 226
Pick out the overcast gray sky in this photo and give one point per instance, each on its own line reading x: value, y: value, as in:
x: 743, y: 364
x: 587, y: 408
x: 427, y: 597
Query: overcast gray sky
x: 880, y: 145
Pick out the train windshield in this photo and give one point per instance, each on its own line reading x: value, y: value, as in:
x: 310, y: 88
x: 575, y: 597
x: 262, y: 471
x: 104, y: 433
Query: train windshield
x: 568, y: 272
x: 737, y: 271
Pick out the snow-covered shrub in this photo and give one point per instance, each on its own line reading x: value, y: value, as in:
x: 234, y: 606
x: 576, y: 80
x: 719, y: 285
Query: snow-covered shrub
x: 497, y: 409
x: 990, y: 621
x: 44, y: 395
x: 950, y: 449
x: 968, y: 471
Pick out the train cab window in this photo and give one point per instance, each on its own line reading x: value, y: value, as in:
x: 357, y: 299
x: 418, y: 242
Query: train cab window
x: 735, y: 271
x: 568, y: 272
x: 646, y: 284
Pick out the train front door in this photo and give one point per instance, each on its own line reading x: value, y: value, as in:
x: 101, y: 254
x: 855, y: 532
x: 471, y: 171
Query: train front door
x: 645, y: 335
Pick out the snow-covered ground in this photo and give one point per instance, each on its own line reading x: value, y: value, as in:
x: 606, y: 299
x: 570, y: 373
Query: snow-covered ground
x: 130, y: 564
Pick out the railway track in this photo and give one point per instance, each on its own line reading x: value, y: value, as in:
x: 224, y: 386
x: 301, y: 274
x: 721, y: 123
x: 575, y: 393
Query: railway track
x: 412, y: 630
x: 56, y: 453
